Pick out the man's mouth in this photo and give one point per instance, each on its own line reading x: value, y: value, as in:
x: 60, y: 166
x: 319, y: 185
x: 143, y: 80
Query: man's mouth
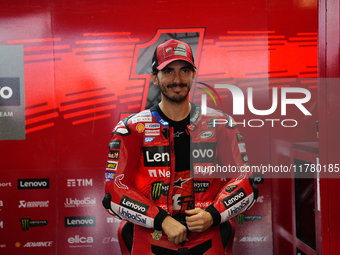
x: 176, y: 85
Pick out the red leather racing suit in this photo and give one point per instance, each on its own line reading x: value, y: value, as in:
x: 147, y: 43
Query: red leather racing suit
x: 140, y: 175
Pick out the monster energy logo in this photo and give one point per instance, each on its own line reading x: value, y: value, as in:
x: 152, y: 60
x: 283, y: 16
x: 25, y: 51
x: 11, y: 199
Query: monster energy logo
x: 158, y: 189
x: 27, y: 223
x: 242, y: 218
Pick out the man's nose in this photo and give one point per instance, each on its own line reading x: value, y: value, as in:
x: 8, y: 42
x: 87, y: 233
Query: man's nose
x: 177, y: 78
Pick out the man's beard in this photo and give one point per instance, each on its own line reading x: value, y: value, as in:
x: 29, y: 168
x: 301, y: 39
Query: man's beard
x: 177, y: 98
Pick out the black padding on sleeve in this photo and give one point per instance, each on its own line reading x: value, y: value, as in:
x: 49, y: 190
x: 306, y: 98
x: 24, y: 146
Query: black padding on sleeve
x: 107, y: 201
x: 215, y: 214
x: 159, y: 219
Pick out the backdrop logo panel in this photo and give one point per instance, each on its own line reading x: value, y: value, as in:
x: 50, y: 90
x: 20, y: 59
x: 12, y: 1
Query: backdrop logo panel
x: 12, y: 93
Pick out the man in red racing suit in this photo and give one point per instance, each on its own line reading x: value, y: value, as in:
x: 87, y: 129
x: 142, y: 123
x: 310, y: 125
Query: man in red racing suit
x: 177, y: 204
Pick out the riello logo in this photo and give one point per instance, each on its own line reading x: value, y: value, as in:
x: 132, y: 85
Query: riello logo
x: 239, y: 102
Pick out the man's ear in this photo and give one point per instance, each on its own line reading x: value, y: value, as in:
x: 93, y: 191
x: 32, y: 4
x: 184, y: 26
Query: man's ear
x: 154, y: 79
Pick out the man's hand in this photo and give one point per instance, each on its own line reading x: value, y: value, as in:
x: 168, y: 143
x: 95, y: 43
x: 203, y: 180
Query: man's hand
x: 176, y: 232
x: 199, y: 220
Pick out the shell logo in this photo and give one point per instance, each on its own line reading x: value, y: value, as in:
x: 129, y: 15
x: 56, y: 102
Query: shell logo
x: 140, y: 127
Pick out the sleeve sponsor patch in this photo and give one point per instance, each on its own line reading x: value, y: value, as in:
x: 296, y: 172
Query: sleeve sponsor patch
x: 244, y: 158
x: 242, y: 147
x: 114, y: 144
x: 134, y: 205
x: 112, y: 165
x: 234, y: 198
x: 113, y: 154
x: 239, y: 137
x: 110, y: 175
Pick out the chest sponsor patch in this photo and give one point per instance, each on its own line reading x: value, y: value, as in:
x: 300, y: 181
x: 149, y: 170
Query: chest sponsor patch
x: 149, y: 139
x: 152, y: 132
x: 140, y: 127
x: 156, y: 156
x: 206, y: 134
x: 152, y: 125
x: 141, y: 119
x: 203, y: 152
x: 201, y: 186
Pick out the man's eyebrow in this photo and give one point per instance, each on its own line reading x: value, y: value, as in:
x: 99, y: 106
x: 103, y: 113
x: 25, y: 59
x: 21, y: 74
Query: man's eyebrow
x: 188, y: 66
x: 170, y: 68
x: 167, y: 68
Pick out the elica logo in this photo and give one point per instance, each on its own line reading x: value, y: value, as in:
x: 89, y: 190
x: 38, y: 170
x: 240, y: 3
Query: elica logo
x: 9, y: 91
x: 238, y: 104
x: 77, y: 239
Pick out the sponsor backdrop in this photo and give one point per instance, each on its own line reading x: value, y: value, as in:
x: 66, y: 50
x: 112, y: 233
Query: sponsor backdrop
x: 71, y: 69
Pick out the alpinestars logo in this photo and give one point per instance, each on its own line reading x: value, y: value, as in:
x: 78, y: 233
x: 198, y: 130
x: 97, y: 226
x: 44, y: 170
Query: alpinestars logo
x: 27, y: 223
x: 179, y: 182
x: 158, y: 189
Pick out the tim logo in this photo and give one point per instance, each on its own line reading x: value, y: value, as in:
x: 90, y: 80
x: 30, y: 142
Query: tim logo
x: 204, y: 97
x: 9, y: 91
x: 79, y: 182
